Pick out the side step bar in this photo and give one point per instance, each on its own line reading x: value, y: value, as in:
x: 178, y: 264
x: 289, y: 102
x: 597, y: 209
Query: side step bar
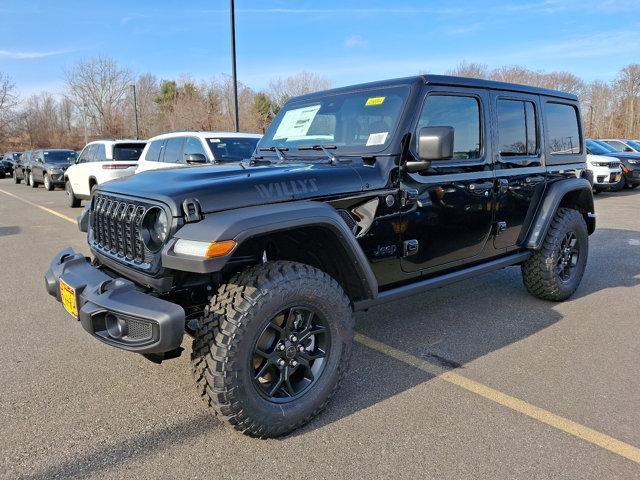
x: 440, y: 281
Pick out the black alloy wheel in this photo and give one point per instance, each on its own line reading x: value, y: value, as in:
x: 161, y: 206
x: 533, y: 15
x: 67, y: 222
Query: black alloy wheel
x: 289, y: 355
x: 568, y: 256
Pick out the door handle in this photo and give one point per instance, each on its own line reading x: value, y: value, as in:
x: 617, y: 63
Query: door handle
x: 480, y: 187
x: 534, y: 179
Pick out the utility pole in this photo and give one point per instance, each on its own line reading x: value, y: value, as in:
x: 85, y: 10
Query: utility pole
x: 135, y: 109
x: 591, y: 120
x: 233, y: 67
x: 84, y: 118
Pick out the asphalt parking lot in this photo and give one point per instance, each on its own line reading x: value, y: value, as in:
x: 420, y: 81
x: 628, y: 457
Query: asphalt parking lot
x: 475, y: 380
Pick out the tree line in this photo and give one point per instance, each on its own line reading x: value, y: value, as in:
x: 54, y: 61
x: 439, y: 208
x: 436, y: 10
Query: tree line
x: 97, y: 102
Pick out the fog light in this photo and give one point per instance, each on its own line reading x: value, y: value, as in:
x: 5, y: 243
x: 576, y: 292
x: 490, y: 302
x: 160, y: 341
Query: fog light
x: 116, y: 327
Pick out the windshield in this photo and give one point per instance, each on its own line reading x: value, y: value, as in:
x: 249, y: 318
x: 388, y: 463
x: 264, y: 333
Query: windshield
x: 599, y: 148
x: 127, y: 151
x: 231, y: 149
x: 352, y: 122
x: 596, y: 149
x: 633, y: 144
x: 59, y: 156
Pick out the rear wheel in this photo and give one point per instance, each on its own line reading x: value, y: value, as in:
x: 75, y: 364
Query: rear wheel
x: 555, y: 271
x: 272, y: 347
x: 72, y: 200
x: 32, y: 182
x: 25, y: 175
x: 48, y: 184
x: 16, y: 180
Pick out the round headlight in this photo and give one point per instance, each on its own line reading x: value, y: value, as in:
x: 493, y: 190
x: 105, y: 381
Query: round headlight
x: 155, y: 228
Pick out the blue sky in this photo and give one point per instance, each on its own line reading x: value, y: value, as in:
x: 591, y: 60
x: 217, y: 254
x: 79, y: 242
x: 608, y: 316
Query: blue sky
x: 347, y: 41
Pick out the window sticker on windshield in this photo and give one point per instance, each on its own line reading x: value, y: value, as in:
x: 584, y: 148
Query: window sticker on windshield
x: 371, y: 101
x: 214, y: 140
x: 377, y: 138
x: 296, y: 122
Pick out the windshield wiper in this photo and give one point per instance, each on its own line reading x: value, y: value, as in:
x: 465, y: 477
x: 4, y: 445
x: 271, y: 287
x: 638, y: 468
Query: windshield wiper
x: 278, y: 150
x: 324, y: 148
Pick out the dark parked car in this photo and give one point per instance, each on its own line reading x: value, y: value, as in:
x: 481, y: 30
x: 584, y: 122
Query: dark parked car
x: 21, y: 168
x: 354, y: 197
x: 48, y: 167
x: 630, y: 162
x: 10, y: 159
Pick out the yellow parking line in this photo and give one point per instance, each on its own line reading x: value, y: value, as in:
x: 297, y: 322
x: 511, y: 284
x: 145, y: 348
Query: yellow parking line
x: 540, y: 414
x: 48, y: 210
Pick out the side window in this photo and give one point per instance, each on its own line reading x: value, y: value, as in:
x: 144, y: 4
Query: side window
x: 193, y: 145
x: 457, y: 111
x: 562, y: 128
x: 517, y: 131
x: 83, y: 154
x: 99, y: 155
x: 153, y: 152
x: 173, y: 150
x: 88, y: 156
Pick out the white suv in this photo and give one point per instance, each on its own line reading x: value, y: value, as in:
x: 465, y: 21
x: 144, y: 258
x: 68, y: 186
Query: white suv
x: 99, y: 162
x: 179, y: 149
x: 606, y: 172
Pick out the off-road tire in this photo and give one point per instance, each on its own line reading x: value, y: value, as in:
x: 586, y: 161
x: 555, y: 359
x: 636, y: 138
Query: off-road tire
x: 72, y: 200
x: 232, y: 322
x: 539, y: 271
x: 16, y: 180
x: 32, y: 181
x: 25, y: 175
x: 48, y: 183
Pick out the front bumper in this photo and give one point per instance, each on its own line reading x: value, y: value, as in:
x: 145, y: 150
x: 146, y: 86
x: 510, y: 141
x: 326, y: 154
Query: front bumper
x: 115, y: 310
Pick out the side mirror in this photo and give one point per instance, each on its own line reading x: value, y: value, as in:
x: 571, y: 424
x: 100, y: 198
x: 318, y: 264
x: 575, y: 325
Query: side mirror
x: 195, y: 158
x: 434, y: 143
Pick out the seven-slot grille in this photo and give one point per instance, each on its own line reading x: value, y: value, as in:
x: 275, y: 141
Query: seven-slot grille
x: 117, y: 227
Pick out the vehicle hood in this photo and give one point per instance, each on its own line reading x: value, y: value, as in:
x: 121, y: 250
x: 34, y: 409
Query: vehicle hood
x: 625, y: 155
x: 223, y: 187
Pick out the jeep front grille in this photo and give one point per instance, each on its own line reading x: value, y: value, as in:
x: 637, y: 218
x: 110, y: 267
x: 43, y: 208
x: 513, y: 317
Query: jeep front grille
x: 116, y: 226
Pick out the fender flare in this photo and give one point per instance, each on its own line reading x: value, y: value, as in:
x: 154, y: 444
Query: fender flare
x: 244, y: 223
x: 553, y: 198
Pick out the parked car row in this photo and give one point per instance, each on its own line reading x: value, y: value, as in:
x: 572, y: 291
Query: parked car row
x: 105, y: 160
x: 614, y: 164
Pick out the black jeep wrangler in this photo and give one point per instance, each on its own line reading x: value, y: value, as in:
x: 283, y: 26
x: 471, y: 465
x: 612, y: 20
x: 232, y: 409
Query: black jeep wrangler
x: 354, y: 197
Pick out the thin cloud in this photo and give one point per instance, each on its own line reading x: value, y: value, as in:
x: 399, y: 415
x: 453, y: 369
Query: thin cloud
x: 22, y: 55
x: 355, y: 41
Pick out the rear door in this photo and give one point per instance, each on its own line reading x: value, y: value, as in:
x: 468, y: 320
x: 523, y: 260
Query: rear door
x: 451, y: 220
x: 79, y: 173
x: 37, y: 167
x: 151, y: 158
x: 519, y: 164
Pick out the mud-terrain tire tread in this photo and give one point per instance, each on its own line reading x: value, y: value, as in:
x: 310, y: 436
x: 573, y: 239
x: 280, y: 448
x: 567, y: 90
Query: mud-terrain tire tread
x: 72, y: 200
x: 538, y: 272
x: 224, y: 321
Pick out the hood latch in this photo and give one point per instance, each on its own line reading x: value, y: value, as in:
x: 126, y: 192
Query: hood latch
x: 192, y: 211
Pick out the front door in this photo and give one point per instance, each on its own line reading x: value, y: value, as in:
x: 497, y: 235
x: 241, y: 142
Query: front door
x: 520, y: 174
x: 450, y: 221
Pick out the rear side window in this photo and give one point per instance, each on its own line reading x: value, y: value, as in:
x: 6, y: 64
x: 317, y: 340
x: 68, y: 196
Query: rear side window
x: 153, y: 152
x: 460, y: 112
x: 173, y: 150
x: 100, y: 154
x: 563, y: 132
x: 127, y: 151
x: 517, y: 134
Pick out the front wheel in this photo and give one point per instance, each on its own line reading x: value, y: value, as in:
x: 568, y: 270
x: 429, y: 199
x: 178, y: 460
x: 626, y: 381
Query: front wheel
x: 272, y: 347
x: 48, y: 184
x: 555, y: 271
x: 32, y: 182
x: 72, y: 200
x: 16, y: 180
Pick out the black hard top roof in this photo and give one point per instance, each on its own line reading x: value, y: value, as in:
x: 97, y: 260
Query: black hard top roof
x: 451, y: 81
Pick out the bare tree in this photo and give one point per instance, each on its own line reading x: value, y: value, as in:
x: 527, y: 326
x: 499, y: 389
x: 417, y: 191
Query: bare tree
x: 8, y: 104
x: 470, y: 70
x: 282, y: 89
x: 99, y: 86
x: 627, y: 84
